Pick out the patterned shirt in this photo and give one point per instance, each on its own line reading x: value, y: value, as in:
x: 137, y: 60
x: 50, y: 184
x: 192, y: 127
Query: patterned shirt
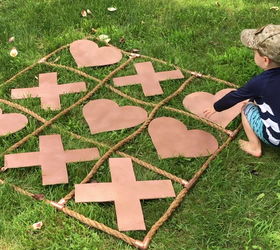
x: 264, y: 89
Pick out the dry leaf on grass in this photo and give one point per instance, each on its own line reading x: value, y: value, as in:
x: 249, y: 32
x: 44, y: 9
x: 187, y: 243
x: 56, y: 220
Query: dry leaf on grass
x: 38, y: 197
x: 135, y: 50
x: 56, y: 59
x: 89, y: 12
x: 11, y: 39
x: 37, y: 226
x: 84, y: 13
x: 111, y: 9
x: 274, y: 8
x: 104, y: 38
x: 260, y: 196
x: 13, y: 52
x: 122, y: 40
x: 133, y: 55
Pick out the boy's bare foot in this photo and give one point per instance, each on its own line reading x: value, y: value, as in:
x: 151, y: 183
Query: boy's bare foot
x: 254, y: 150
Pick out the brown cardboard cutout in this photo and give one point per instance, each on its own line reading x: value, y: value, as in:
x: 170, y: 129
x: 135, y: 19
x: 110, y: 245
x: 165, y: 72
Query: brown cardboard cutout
x: 105, y: 115
x: 171, y: 138
x: 148, y: 78
x: 52, y: 158
x: 86, y: 53
x: 126, y: 192
x: 49, y: 91
x: 197, y: 102
x: 11, y: 122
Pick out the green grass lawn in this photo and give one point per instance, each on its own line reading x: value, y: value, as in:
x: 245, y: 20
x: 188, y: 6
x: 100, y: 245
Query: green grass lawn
x: 234, y: 205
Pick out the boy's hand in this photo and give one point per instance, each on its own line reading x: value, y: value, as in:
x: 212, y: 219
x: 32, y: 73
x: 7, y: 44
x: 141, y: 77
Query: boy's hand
x: 209, y: 112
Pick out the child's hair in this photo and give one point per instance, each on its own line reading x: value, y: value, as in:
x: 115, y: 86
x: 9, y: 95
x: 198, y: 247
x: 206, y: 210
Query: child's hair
x: 261, y: 54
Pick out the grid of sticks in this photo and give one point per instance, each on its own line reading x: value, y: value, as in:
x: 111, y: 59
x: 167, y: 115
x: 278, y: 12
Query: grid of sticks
x: 61, y: 205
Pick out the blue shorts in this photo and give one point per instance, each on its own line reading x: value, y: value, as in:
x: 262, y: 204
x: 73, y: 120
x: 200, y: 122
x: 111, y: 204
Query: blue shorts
x: 252, y: 113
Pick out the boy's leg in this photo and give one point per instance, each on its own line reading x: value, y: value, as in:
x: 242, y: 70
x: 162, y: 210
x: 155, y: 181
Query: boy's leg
x: 253, y: 145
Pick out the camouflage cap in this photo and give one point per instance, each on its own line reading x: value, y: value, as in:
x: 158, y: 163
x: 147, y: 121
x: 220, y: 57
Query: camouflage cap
x: 265, y: 39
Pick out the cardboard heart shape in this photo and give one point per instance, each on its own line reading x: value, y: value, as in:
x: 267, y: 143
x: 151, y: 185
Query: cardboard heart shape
x: 86, y: 53
x: 11, y: 123
x: 197, y: 102
x: 105, y: 115
x: 171, y: 138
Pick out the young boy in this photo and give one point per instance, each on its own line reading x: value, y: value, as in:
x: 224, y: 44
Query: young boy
x: 261, y: 115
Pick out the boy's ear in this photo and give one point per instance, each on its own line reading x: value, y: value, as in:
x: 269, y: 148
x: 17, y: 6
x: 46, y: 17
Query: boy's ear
x: 267, y: 60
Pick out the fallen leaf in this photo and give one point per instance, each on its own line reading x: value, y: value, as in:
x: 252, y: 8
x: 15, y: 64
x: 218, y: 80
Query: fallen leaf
x: 135, y: 50
x: 122, y: 40
x: 218, y: 4
x: 38, y: 197
x: 274, y: 8
x: 260, y: 196
x: 112, y: 9
x: 254, y: 172
x: 214, y: 43
x: 89, y: 12
x: 56, y: 59
x: 84, y: 13
x: 197, y: 74
x: 256, y: 247
x: 37, y: 226
x: 11, y: 39
x: 133, y: 55
x: 13, y: 52
x: 104, y: 38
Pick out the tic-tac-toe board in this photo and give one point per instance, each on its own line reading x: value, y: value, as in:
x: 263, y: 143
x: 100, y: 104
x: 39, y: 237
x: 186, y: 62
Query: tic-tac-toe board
x: 90, y: 124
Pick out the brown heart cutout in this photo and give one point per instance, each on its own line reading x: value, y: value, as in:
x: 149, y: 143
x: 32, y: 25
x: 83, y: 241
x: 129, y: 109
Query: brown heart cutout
x: 106, y: 115
x: 171, y: 138
x: 11, y: 123
x: 199, y: 101
x: 86, y: 53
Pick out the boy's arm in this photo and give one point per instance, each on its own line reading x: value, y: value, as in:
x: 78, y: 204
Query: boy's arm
x: 226, y: 102
x: 232, y: 98
x: 248, y: 91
